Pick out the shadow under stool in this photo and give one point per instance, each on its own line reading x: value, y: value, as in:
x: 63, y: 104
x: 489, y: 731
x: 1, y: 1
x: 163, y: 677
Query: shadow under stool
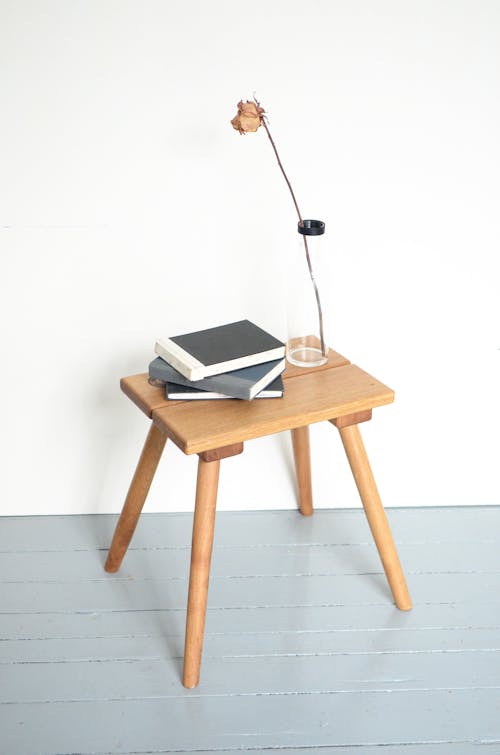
x: 338, y: 392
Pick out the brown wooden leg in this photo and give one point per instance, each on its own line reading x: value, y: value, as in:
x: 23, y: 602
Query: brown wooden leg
x: 136, y: 496
x: 302, y: 456
x: 360, y: 466
x: 201, y: 554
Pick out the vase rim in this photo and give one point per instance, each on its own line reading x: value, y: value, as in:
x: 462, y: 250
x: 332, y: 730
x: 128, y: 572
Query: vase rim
x: 311, y: 227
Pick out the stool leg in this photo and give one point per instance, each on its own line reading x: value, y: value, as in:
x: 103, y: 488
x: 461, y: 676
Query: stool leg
x: 201, y: 553
x: 302, y: 456
x: 374, y: 510
x: 136, y: 496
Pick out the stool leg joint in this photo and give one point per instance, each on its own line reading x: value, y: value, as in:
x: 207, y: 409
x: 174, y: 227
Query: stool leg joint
x: 224, y: 452
x: 352, y: 419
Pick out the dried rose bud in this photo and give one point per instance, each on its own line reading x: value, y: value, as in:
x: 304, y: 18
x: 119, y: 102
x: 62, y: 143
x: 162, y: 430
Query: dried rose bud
x: 248, y: 117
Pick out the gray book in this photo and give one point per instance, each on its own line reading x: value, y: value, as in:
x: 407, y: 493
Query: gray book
x: 245, y: 383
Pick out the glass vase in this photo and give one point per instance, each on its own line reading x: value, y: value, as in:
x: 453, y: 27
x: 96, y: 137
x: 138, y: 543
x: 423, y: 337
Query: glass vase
x: 306, y: 339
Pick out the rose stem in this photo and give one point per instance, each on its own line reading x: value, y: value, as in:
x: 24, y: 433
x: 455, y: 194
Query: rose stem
x: 304, y: 237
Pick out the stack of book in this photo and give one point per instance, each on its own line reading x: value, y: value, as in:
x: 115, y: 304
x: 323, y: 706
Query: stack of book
x: 236, y: 360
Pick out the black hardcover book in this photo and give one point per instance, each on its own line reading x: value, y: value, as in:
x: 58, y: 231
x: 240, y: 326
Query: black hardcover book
x: 221, y: 349
x: 245, y: 383
x: 190, y: 392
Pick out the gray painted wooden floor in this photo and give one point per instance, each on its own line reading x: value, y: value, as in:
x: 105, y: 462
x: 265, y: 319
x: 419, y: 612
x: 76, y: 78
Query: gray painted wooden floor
x: 304, y: 652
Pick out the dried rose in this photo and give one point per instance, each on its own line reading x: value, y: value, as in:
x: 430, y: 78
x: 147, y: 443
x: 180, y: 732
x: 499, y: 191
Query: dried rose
x: 248, y: 118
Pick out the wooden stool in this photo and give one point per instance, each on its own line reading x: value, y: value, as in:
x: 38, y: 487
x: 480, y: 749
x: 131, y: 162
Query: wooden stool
x: 338, y: 392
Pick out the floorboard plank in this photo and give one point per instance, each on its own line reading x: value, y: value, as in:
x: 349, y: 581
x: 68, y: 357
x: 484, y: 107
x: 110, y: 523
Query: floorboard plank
x: 271, y: 675
x: 248, y: 561
x: 157, y: 645
x: 327, y: 526
x: 113, y: 594
x: 83, y: 624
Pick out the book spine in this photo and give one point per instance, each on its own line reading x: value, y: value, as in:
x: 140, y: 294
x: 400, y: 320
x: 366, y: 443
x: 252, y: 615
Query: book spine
x: 180, y: 359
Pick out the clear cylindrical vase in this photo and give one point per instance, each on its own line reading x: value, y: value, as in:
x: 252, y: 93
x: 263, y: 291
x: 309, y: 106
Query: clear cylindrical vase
x: 306, y: 339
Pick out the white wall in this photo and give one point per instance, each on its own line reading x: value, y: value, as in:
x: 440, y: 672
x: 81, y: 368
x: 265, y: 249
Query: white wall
x: 129, y: 209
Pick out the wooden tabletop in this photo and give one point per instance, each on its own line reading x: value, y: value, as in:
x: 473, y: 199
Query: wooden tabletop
x: 311, y: 395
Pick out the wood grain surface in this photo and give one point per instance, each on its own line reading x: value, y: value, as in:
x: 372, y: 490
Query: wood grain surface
x: 309, y: 398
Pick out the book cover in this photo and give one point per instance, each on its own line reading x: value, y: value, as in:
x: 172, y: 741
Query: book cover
x: 221, y: 349
x: 245, y: 383
x: 190, y: 392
